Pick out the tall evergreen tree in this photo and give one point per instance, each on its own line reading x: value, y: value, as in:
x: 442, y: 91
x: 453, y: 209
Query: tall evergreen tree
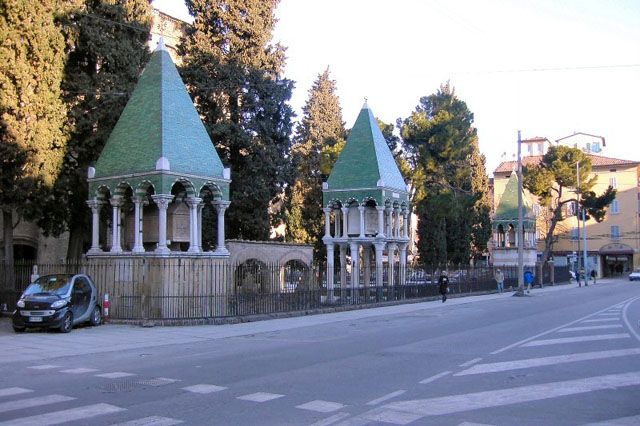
x: 321, y: 126
x: 107, y: 50
x: 32, y: 113
x: 449, y: 179
x: 234, y: 75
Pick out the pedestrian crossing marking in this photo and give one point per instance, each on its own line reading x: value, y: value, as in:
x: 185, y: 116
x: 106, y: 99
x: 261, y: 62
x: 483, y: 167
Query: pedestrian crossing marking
x: 79, y: 370
x: 115, y: 375
x: 468, y: 363
x: 13, y: 391
x: 391, y: 416
x: 151, y: 421
x: 260, y: 397
x: 589, y: 327
x: 43, y: 367
x: 435, y: 377
x: 203, y: 388
x: 386, y: 397
x: 550, y: 360
x: 64, y: 416
x: 601, y: 320
x: 518, y: 395
x: 321, y: 406
x: 576, y: 339
x: 330, y: 420
x: 33, y: 402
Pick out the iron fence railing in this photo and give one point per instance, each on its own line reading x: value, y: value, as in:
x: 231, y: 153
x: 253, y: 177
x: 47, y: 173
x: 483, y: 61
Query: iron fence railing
x: 174, y: 288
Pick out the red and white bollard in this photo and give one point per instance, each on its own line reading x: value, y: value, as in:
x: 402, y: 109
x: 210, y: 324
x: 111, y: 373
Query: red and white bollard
x: 105, y: 307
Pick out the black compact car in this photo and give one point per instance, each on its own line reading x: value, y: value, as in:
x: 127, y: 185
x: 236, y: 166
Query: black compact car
x: 58, y: 301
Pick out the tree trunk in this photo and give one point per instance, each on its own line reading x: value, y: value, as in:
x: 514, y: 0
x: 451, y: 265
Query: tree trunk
x: 77, y: 237
x: 8, y: 275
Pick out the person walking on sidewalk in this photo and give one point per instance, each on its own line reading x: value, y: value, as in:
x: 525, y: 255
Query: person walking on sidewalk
x: 499, y: 276
x: 443, y: 281
x: 594, y: 275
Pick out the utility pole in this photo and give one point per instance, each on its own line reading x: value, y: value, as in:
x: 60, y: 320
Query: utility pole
x: 581, y: 212
x: 578, y: 222
x: 520, y: 234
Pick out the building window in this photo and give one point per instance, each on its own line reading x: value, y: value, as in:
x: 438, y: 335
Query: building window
x: 595, y: 147
x: 574, y: 233
x: 615, y: 209
x: 536, y: 209
x: 613, y: 182
x: 615, y: 232
x: 540, y: 149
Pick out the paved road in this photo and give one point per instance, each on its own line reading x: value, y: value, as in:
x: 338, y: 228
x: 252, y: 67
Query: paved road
x: 566, y: 355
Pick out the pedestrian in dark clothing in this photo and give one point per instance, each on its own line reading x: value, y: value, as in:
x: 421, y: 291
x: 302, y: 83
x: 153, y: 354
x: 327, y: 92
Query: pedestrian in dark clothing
x: 443, y: 281
x: 594, y: 275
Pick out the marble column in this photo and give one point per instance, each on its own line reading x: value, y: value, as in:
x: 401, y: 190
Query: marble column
x: 327, y: 222
x: 379, y: 247
x: 330, y: 271
x: 194, y: 231
x: 405, y: 223
x: 396, y: 214
x: 403, y: 264
x: 391, y: 257
x: 366, y: 260
x: 116, y: 203
x: 380, y: 210
x: 162, y: 201
x: 337, y: 224
x: 138, y: 203
x: 221, y: 206
x: 343, y: 269
x: 345, y: 222
x: 355, y: 268
x: 361, y: 210
x: 200, y: 209
x: 94, y: 205
x: 389, y: 232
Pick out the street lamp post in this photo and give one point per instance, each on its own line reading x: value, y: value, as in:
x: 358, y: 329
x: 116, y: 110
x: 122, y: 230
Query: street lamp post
x: 581, y: 212
x: 520, y: 291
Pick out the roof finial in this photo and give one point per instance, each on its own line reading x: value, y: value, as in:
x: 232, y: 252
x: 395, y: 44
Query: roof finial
x: 161, y: 45
x: 365, y: 106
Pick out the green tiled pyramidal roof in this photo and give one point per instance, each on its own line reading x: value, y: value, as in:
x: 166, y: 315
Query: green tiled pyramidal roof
x: 159, y: 120
x: 507, y: 210
x: 366, y: 165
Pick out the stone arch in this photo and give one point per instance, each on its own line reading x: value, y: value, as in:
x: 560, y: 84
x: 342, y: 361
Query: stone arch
x: 370, y: 216
x: 295, y: 276
x: 209, y: 192
x: 145, y: 188
x: 189, y: 189
x: 511, y: 236
x: 212, y: 188
x: 500, y: 236
x: 253, y: 276
x: 122, y: 189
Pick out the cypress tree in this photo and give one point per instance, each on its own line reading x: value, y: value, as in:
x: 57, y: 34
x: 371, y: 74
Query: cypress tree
x: 234, y: 76
x: 107, y: 42
x: 321, y: 126
x: 32, y: 113
x: 449, y: 178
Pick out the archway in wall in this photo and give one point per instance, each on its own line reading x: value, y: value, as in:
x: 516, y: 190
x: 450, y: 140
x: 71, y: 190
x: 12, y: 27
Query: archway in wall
x: 296, y: 276
x: 253, y: 277
x: 209, y: 194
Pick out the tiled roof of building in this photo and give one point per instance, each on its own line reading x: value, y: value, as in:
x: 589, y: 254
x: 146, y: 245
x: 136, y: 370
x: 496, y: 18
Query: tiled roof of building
x: 596, y: 161
x: 507, y: 210
x: 535, y: 139
x: 366, y: 161
x: 159, y: 120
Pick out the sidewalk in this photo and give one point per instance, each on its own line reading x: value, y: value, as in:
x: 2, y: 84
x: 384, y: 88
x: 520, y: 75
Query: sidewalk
x: 42, y: 345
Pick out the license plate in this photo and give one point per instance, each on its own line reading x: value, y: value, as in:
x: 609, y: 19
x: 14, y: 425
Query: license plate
x: 35, y: 319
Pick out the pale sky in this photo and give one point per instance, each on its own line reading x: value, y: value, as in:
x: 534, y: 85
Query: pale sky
x: 394, y: 52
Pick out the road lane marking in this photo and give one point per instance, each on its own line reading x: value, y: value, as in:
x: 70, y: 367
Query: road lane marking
x: 13, y: 391
x: 468, y: 363
x: 434, y: 378
x: 43, y: 367
x: 518, y: 395
x: 601, y: 320
x: 151, y: 421
x: 551, y: 360
x: 33, y: 402
x: 115, y: 375
x: 625, y: 318
x: 589, y: 327
x: 79, y: 370
x: 64, y: 416
x: 330, y: 420
x: 392, y: 416
x: 386, y: 397
x: 578, y: 339
x: 528, y: 339
x: 203, y: 388
x: 260, y: 397
x: 321, y: 406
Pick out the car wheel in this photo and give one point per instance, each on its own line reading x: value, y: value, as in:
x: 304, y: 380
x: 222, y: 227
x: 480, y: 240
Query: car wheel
x: 18, y: 329
x: 96, y: 316
x: 67, y: 323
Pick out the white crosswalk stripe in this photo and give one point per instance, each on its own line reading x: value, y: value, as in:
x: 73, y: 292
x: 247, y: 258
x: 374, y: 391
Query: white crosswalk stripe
x: 260, y: 397
x: 43, y: 367
x: 79, y: 370
x: 203, y: 388
x: 151, y: 421
x: 21, y: 404
x: 64, y: 416
x: 321, y: 406
x: 590, y: 327
x: 576, y: 339
x: 13, y: 391
x: 115, y: 375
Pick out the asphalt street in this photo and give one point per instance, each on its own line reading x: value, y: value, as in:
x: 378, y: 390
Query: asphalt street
x: 564, y: 356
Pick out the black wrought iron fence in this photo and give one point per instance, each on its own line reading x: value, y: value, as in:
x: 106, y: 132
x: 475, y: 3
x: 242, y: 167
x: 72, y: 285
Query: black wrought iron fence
x: 176, y: 288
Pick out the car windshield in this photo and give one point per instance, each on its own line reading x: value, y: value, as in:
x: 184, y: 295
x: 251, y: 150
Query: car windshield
x: 50, y: 284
